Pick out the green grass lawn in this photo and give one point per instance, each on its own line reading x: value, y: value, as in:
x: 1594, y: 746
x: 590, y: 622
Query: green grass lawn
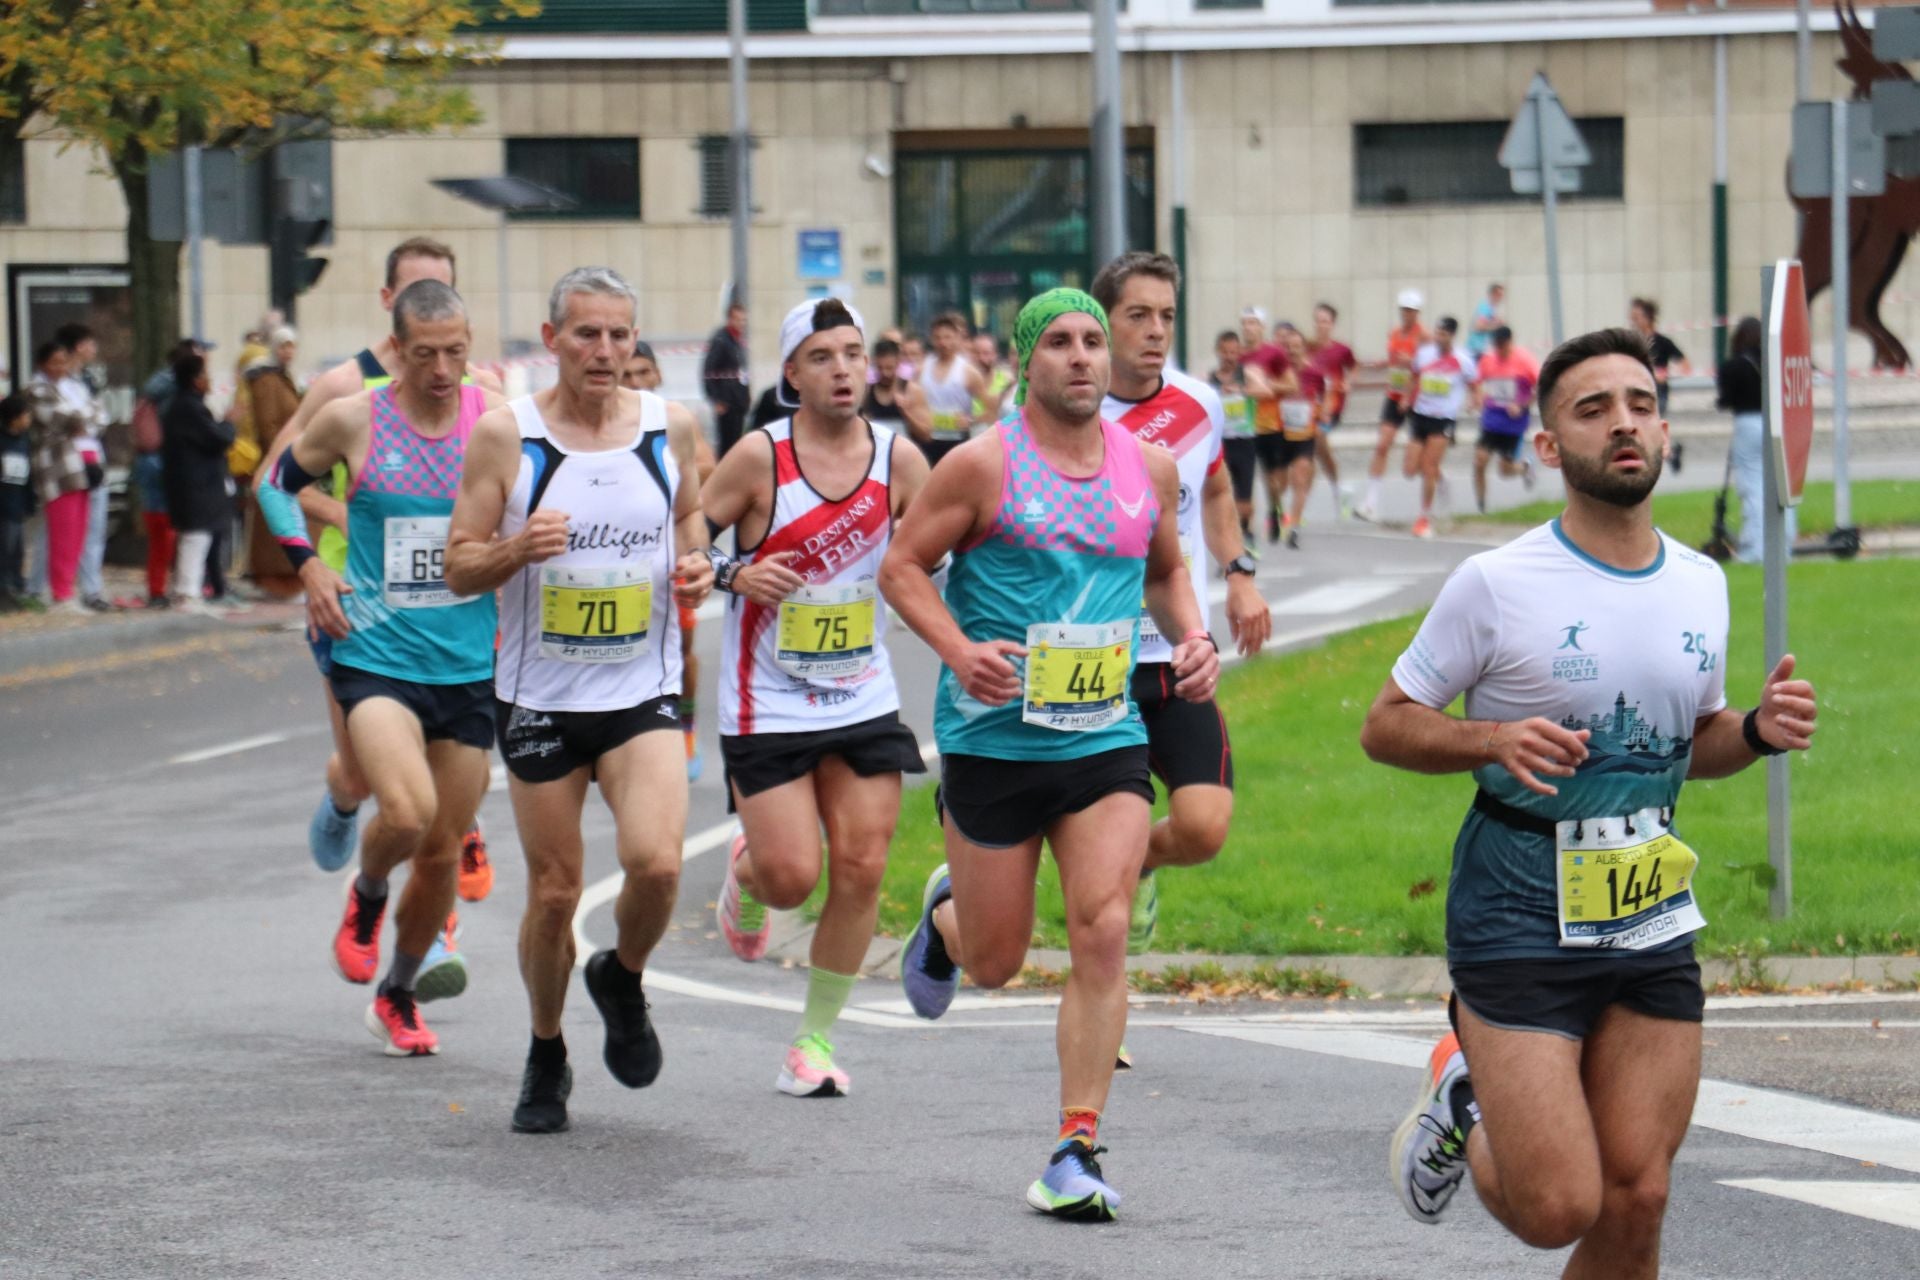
x: 1688, y: 515
x: 1333, y: 853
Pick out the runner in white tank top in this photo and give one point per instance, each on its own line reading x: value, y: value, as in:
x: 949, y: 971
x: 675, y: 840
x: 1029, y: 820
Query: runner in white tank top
x: 952, y: 383
x: 809, y: 714
x: 571, y: 507
x: 1187, y: 740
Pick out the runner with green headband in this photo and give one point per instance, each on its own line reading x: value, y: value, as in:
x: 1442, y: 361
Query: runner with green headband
x: 1055, y: 520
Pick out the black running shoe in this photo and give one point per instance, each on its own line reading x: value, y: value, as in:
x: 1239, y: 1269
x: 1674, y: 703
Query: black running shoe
x: 633, y: 1051
x: 1273, y: 526
x: 543, y: 1098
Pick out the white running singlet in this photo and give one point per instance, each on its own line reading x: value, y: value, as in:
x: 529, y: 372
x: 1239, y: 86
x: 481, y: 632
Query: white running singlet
x: 1186, y: 417
x: 947, y: 398
x: 819, y: 660
x: 594, y: 628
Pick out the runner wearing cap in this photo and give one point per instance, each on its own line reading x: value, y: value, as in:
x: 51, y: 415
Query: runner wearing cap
x: 642, y: 373
x: 1443, y: 380
x: 809, y: 714
x: 1508, y: 375
x: 1403, y: 343
x: 1055, y: 520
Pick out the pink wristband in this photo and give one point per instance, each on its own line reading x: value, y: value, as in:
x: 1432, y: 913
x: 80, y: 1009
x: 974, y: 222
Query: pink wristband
x: 1198, y: 633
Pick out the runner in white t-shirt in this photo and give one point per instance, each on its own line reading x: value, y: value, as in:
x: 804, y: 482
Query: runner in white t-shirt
x: 1590, y: 653
x: 1444, y: 379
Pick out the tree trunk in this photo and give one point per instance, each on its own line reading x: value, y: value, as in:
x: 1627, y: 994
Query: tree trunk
x: 154, y: 271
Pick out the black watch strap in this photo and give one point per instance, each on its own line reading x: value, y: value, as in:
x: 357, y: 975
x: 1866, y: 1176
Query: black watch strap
x: 1242, y: 563
x: 1750, y: 730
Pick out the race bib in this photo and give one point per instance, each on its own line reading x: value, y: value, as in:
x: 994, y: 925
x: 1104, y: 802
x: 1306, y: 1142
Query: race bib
x: 1076, y: 675
x: 595, y: 615
x: 1239, y: 416
x: 1296, y: 419
x: 1504, y: 392
x: 1625, y: 884
x: 1399, y: 379
x: 1149, y: 629
x: 416, y: 563
x: 14, y: 468
x: 948, y: 426
x: 826, y: 631
x: 1435, y: 384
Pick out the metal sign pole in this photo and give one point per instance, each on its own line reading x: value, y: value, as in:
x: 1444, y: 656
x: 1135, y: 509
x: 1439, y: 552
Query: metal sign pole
x: 1842, y: 241
x: 196, y: 254
x: 1109, y: 151
x: 741, y: 149
x: 1774, y: 577
x: 1549, y: 200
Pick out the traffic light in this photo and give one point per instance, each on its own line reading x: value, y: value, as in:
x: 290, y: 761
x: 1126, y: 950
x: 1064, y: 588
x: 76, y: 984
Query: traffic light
x: 291, y: 269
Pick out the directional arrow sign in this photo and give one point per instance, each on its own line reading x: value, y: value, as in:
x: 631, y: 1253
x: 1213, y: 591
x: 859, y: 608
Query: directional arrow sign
x: 1542, y: 133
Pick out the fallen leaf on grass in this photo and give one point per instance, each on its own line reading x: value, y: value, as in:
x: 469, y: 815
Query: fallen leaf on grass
x: 1421, y: 890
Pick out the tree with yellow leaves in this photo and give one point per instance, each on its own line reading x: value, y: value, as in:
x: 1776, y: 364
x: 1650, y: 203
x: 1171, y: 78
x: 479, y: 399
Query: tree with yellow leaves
x: 138, y: 79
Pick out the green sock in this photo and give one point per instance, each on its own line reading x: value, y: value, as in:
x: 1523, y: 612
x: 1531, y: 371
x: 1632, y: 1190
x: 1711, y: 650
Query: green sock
x: 826, y: 996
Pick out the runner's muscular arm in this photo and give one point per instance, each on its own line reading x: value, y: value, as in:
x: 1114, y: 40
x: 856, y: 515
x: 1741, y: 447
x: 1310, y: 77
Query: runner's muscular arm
x: 336, y: 433
x: 478, y: 561
x: 1249, y: 620
x: 1411, y: 735
x: 692, y: 570
x: 913, y: 407
x: 954, y: 506
x: 908, y: 475
x: 740, y: 488
x: 1169, y: 588
x: 978, y: 392
x: 337, y: 383
x: 1785, y: 718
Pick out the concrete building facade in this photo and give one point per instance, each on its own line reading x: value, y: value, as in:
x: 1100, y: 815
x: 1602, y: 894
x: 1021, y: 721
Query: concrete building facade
x: 1275, y: 150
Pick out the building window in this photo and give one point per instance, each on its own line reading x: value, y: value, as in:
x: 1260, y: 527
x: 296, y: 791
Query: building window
x: 13, y: 180
x: 1457, y: 162
x: 1229, y: 4
x: 716, y: 174
x: 601, y: 174
x: 863, y: 8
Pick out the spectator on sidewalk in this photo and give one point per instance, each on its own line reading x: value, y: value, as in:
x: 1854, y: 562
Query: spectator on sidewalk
x: 724, y: 377
x: 77, y: 388
x: 149, y: 472
x: 16, y: 502
x: 65, y: 470
x: 195, y: 458
x: 1668, y: 358
x: 1740, y: 394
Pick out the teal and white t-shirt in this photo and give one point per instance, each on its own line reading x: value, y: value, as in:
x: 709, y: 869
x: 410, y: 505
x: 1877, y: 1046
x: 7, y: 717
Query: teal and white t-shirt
x: 1539, y: 628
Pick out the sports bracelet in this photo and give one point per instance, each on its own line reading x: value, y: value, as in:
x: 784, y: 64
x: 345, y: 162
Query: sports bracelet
x: 725, y: 568
x: 1750, y: 730
x: 1203, y: 634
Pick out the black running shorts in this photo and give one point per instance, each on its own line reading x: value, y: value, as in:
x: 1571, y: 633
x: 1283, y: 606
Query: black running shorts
x: 1425, y: 428
x: 546, y: 746
x: 1240, y: 454
x: 1565, y: 997
x: 759, y: 762
x: 1186, y: 741
x: 1277, y: 453
x: 461, y: 712
x: 998, y: 804
x: 1501, y: 444
x: 1393, y: 413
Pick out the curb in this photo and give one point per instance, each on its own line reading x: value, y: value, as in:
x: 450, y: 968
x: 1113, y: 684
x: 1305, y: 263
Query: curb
x: 62, y: 646
x: 1398, y: 976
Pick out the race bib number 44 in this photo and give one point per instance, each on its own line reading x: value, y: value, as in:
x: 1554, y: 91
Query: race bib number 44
x: 826, y: 632
x: 1076, y: 677
x: 416, y: 563
x: 1625, y: 883
x: 595, y: 615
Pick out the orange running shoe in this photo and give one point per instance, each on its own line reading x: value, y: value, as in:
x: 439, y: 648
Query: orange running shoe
x: 356, y: 943
x: 476, y: 872
x: 393, y: 1018
x: 1423, y: 527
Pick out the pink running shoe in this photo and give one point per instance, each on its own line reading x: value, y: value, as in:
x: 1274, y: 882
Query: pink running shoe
x: 809, y: 1072
x: 742, y: 920
x: 392, y: 1017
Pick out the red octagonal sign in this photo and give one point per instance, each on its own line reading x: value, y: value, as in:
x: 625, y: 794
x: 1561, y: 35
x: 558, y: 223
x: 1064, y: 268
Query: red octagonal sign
x: 1789, y: 401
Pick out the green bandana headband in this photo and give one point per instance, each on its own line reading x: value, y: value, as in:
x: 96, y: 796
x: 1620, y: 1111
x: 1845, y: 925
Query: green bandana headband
x: 1039, y: 313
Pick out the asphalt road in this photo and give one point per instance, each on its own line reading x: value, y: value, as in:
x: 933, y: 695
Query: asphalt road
x: 186, y: 1088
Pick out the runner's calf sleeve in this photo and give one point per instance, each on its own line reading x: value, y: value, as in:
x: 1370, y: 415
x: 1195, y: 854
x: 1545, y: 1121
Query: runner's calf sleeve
x: 282, y: 511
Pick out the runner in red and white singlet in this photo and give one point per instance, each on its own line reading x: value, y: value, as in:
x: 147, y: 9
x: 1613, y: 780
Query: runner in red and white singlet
x: 809, y: 713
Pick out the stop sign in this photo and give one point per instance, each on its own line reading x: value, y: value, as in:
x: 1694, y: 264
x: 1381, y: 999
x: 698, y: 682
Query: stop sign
x: 1789, y: 369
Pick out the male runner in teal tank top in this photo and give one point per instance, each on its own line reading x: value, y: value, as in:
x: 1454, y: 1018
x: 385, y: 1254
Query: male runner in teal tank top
x: 412, y: 663
x: 1055, y: 520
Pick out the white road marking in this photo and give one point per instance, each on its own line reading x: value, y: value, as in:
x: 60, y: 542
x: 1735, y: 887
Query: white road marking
x: 229, y: 748
x: 1895, y: 1203
x: 1340, y: 597
x: 1764, y: 1115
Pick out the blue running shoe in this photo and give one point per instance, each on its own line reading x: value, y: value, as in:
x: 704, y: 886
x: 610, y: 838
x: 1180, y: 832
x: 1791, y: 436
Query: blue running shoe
x: 330, y: 836
x: 926, y: 971
x: 1073, y: 1186
x: 443, y: 974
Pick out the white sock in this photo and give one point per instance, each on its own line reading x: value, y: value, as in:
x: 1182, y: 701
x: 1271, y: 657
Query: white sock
x: 1373, y: 491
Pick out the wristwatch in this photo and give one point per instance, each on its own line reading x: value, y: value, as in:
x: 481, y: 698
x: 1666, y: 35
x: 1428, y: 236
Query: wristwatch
x: 1239, y: 564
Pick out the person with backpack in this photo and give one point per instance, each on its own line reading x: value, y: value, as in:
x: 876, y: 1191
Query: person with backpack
x: 149, y: 472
